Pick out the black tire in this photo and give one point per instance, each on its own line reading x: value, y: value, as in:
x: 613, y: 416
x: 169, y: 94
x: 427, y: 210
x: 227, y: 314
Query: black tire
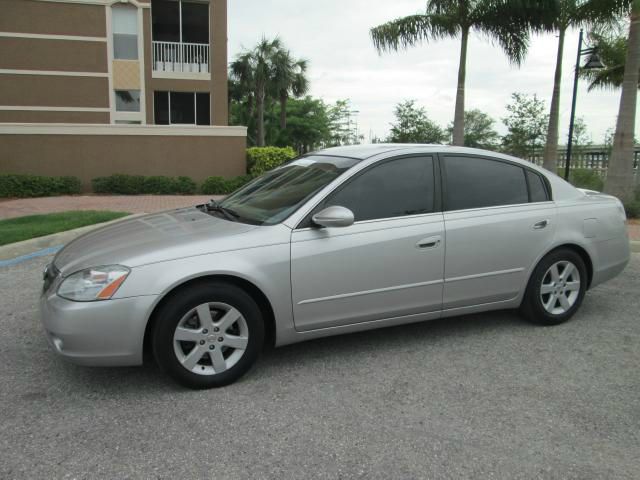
x: 179, y: 305
x: 532, y: 307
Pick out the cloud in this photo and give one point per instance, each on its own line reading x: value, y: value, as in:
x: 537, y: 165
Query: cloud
x: 334, y: 36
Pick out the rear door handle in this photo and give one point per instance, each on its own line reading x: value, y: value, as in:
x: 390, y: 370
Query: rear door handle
x: 540, y: 225
x: 429, y: 242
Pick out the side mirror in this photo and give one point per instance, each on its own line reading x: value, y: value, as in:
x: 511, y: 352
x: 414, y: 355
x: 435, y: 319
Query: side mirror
x: 335, y: 216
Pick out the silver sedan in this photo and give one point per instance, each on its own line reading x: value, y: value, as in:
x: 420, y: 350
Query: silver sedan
x: 337, y: 241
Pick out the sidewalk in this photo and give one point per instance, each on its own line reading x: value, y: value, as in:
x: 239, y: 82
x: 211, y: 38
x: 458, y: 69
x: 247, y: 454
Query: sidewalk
x: 115, y: 203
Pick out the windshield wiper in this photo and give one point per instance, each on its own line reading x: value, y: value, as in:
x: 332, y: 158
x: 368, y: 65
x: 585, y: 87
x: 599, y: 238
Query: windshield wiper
x: 229, y: 214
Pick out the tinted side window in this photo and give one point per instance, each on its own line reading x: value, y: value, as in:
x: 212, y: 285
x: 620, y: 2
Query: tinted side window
x: 478, y: 182
x: 537, y: 189
x: 392, y: 189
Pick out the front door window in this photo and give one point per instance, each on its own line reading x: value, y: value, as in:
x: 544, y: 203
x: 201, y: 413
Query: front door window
x: 393, y: 189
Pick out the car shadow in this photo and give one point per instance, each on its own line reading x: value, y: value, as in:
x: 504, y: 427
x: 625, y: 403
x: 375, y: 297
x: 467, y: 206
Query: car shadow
x: 418, y: 334
x: 347, y: 347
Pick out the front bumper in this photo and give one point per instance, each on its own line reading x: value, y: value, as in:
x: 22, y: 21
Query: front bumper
x: 103, y: 333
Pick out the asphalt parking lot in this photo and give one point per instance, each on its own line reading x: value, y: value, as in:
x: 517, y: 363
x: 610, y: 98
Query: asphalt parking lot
x: 483, y: 396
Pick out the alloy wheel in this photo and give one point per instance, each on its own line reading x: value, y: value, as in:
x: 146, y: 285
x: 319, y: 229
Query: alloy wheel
x: 210, y: 338
x: 560, y: 287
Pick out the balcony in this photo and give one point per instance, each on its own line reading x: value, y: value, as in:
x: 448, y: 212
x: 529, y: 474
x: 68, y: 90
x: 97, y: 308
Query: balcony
x: 180, y: 39
x: 179, y: 57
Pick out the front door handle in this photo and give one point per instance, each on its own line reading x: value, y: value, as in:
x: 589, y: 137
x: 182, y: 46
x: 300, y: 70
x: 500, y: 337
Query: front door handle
x: 429, y: 242
x: 540, y: 225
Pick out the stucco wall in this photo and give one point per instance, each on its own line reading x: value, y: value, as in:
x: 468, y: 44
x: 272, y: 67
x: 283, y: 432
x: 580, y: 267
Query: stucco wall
x: 92, y: 151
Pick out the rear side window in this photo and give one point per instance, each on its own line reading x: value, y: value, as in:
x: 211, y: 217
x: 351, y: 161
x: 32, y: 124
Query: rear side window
x: 400, y: 187
x: 478, y: 182
x: 537, y: 189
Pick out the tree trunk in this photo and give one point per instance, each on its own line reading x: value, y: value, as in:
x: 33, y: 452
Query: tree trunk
x: 283, y: 111
x: 250, y: 105
x: 550, y: 157
x: 458, y: 118
x: 619, y: 181
x: 260, y: 113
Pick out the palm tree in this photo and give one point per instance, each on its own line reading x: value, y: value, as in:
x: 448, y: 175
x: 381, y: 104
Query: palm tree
x: 289, y: 79
x: 254, y: 71
x: 567, y: 15
x: 242, y: 81
x: 263, y: 71
x: 507, y: 22
x: 262, y: 74
x: 619, y: 179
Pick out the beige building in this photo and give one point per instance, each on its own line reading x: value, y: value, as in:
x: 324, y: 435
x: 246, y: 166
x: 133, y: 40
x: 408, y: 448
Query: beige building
x: 93, y: 87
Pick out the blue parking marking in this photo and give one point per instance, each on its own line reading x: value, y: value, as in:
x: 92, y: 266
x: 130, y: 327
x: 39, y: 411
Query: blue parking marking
x: 23, y: 258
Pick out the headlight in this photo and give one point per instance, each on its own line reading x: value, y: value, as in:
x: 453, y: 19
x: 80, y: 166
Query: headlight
x: 98, y: 283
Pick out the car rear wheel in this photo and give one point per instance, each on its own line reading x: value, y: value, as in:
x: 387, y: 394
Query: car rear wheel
x: 556, y: 288
x: 208, y: 335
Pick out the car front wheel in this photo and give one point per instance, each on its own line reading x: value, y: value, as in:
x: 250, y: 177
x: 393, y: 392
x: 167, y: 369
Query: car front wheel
x: 556, y: 288
x: 208, y: 335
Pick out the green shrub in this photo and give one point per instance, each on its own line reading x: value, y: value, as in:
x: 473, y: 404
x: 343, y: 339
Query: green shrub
x: 223, y: 186
x: 214, y: 186
x: 119, y: 183
x: 185, y: 186
x: 585, y: 178
x: 263, y: 159
x: 37, y: 186
x: 632, y: 209
x: 235, y: 183
x: 157, y: 185
x: 138, y: 185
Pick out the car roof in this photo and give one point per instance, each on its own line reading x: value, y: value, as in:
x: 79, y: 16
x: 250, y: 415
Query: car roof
x: 362, y: 152
x: 561, y: 189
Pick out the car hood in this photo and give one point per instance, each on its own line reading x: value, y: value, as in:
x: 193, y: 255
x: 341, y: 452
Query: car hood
x: 149, y: 239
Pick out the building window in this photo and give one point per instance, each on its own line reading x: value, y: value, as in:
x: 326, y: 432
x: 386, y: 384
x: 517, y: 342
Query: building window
x: 127, y: 100
x: 180, y: 36
x: 180, y: 21
x: 125, y: 32
x: 181, y: 108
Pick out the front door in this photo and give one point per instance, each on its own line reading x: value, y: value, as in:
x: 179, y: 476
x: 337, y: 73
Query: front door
x: 388, y: 264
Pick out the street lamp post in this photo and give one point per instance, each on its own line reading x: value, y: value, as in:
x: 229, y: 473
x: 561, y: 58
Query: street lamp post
x: 592, y: 63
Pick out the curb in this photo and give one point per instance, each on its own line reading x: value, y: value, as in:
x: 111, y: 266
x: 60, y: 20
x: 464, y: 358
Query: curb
x: 36, y: 247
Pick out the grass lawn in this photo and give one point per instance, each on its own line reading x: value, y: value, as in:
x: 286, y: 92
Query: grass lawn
x: 32, y: 226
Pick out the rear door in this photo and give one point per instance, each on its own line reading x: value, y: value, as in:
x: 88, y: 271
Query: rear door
x: 389, y: 263
x: 498, y: 219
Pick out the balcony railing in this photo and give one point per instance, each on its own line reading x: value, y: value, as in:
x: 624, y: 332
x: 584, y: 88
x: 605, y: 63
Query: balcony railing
x: 180, y: 57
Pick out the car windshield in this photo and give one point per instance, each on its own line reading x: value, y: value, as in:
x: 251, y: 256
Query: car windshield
x: 272, y: 197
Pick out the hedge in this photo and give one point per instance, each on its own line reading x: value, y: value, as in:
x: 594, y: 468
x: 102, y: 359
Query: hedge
x: 139, y: 185
x: 263, y: 159
x: 632, y: 207
x: 37, y: 186
x: 585, y: 178
x: 223, y: 186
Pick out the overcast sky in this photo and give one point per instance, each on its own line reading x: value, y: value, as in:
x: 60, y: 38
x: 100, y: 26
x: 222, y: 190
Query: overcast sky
x: 334, y: 36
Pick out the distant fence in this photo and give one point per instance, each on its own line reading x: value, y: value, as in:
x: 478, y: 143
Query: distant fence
x: 592, y: 157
